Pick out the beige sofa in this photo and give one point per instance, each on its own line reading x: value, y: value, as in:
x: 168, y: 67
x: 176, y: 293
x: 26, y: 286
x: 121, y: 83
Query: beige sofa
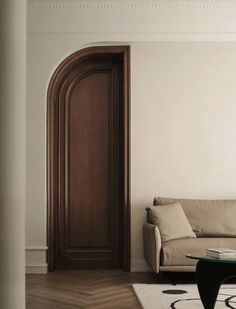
x: 213, y: 222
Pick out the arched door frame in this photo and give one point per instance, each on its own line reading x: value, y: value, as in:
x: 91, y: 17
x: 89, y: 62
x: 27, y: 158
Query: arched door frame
x: 52, y: 142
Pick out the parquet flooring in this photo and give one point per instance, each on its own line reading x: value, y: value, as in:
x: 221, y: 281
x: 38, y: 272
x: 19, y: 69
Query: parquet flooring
x: 94, y: 289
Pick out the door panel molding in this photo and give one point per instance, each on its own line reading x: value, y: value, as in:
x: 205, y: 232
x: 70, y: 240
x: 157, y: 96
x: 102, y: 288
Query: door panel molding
x: 60, y: 88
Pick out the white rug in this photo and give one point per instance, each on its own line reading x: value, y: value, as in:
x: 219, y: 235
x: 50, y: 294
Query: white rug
x: 155, y: 296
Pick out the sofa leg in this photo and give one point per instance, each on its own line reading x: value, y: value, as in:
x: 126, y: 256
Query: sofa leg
x: 171, y: 278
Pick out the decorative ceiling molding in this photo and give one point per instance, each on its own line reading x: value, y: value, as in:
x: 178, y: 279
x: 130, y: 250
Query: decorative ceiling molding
x: 130, y: 4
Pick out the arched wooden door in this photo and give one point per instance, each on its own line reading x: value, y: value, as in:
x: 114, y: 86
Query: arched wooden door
x: 88, y: 161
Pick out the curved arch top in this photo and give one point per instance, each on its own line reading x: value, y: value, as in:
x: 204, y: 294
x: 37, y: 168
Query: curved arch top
x: 66, y: 76
x: 84, y: 54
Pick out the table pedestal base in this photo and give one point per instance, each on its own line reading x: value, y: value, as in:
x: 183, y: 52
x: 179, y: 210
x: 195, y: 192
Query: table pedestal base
x: 210, y: 275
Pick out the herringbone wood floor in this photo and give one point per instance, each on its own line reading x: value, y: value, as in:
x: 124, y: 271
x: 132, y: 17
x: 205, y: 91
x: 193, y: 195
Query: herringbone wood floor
x: 84, y: 289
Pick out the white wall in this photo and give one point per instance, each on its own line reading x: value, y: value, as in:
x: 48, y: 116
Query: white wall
x: 183, y: 131
x: 183, y: 137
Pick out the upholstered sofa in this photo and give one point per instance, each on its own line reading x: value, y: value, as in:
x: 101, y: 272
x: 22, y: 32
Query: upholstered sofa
x: 213, y: 223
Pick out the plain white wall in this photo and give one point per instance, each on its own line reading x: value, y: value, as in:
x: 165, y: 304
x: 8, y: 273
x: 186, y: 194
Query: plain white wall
x: 182, y: 104
x: 183, y: 137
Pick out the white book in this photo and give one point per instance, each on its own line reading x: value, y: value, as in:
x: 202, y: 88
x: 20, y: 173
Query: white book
x: 221, y: 253
x: 222, y: 250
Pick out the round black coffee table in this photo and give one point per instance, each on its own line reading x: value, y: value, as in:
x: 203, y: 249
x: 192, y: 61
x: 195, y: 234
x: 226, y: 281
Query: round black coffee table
x: 210, y: 274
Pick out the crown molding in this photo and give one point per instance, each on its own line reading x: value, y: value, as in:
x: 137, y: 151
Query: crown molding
x: 130, y: 4
x: 166, y: 19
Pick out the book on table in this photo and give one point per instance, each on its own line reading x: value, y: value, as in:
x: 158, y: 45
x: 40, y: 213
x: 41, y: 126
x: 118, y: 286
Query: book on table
x: 221, y: 253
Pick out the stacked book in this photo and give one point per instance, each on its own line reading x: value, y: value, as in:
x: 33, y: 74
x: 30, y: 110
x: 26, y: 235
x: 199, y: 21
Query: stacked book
x: 221, y: 253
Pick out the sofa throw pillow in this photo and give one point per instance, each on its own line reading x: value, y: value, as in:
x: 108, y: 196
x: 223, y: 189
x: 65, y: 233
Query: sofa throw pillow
x: 208, y: 218
x: 171, y: 221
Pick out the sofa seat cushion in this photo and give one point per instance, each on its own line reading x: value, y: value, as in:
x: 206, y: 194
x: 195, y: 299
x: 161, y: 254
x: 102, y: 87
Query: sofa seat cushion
x: 208, y: 218
x: 174, y: 251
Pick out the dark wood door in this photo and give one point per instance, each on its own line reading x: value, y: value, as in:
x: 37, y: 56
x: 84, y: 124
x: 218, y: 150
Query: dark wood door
x: 88, y: 218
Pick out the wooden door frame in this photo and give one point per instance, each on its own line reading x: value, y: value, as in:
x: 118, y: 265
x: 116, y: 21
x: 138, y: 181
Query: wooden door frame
x: 52, y: 142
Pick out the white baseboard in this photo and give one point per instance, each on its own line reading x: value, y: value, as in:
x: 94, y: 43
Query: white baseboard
x: 140, y: 265
x: 36, y: 269
x: 36, y: 260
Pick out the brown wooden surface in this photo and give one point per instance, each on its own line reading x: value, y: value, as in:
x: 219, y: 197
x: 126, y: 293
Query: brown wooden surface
x: 88, y: 162
x: 85, y: 289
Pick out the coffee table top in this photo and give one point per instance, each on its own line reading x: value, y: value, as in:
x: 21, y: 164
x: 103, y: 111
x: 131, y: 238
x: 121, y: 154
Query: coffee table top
x: 210, y: 259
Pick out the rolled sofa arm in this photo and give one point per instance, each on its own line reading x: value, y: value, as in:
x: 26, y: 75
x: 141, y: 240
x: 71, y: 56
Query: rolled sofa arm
x: 152, y: 246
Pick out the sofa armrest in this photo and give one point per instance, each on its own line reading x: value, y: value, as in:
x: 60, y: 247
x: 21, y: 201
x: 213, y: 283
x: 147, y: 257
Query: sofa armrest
x: 152, y: 245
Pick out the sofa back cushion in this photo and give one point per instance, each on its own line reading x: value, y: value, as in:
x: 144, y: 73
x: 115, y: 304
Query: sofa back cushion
x: 171, y: 221
x: 208, y: 218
